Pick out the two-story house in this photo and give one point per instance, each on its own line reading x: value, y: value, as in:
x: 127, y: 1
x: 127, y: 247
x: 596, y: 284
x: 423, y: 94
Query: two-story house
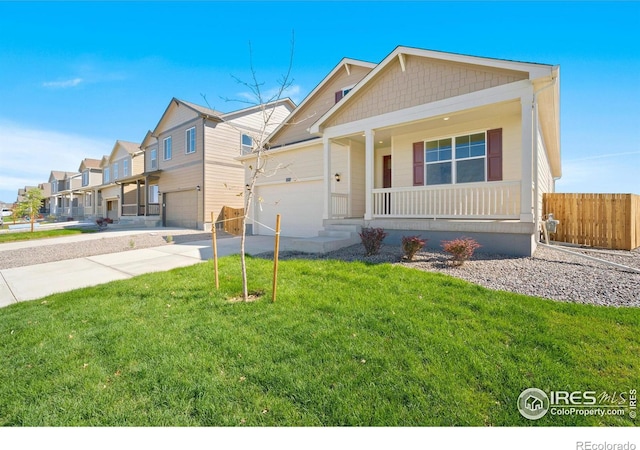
x: 190, y: 166
x: 115, y: 195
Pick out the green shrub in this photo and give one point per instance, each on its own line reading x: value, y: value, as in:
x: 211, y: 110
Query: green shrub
x: 412, y: 245
x: 372, y: 240
x: 461, y: 249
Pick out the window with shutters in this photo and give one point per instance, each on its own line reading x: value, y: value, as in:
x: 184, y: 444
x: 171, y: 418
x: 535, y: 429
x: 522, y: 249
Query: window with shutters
x: 468, y: 158
x: 342, y: 92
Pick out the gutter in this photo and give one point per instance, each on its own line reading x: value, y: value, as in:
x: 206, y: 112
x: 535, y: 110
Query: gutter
x: 536, y: 187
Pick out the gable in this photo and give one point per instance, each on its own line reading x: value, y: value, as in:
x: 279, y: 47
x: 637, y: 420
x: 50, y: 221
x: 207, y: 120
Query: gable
x: 423, y: 80
x: 175, y: 115
x: 295, y: 128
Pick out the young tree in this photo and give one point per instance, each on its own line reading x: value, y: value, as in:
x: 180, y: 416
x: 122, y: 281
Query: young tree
x: 267, y: 101
x: 30, y: 205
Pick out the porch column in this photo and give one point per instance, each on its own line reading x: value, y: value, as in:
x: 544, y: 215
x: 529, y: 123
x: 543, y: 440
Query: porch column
x: 526, y: 187
x: 326, y: 145
x: 138, y: 199
x: 146, y: 196
x: 368, y: 174
x: 121, y: 200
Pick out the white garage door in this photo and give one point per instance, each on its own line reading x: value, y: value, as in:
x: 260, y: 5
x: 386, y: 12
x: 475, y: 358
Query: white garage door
x: 181, y: 209
x: 300, y: 205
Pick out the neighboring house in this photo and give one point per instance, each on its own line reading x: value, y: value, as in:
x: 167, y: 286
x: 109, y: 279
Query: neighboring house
x: 61, y: 199
x: 22, y: 192
x: 431, y: 143
x: 46, y: 198
x: 87, y: 193
x: 190, y: 159
x: 120, y: 191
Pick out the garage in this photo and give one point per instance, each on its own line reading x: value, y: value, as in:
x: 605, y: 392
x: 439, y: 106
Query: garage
x: 299, y: 206
x: 180, y: 209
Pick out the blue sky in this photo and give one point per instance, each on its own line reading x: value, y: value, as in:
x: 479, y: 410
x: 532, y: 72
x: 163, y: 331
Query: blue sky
x: 77, y: 76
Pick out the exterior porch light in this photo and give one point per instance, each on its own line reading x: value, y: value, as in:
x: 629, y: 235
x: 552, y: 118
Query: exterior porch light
x: 337, y: 177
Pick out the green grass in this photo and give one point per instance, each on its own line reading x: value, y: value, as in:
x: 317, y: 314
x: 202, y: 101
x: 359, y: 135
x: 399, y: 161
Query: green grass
x: 27, y: 235
x: 345, y: 344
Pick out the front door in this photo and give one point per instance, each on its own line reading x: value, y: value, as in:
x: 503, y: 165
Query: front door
x: 386, y: 182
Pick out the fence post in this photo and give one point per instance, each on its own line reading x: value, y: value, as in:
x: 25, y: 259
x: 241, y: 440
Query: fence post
x: 215, y: 250
x: 275, y: 260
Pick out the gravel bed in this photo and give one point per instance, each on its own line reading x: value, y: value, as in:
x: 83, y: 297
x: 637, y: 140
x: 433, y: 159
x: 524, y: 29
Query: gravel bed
x: 549, y: 273
x: 91, y: 247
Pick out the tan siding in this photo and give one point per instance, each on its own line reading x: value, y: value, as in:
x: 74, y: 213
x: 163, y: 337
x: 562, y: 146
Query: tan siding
x: 181, y: 178
x: 402, y: 159
x: 296, y: 164
x: 224, y: 176
x: 178, y: 147
x: 357, y: 179
x: 224, y: 188
x: 424, y: 81
x: 296, y: 130
x: 340, y: 164
x: 176, y: 115
x: 137, y: 165
x: 545, y: 179
x: 256, y: 120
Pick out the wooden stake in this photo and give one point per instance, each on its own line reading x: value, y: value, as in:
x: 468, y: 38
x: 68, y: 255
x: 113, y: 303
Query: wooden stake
x: 275, y: 260
x: 215, y: 250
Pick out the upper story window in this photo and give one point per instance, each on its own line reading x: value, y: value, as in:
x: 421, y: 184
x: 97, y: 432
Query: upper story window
x: 125, y: 168
x: 342, y: 92
x: 167, y: 148
x: 460, y: 159
x: 106, y: 175
x: 190, y: 145
x: 54, y: 187
x: 85, y: 178
x: 115, y: 171
x: 247, y: 144
x: 153, y: 158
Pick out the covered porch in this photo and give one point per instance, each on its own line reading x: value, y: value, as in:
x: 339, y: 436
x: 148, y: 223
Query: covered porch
x: 139, y: 196
x: 436, y: 168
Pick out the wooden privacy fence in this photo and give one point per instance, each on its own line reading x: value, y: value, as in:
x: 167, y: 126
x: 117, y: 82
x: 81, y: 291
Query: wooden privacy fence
x: 597, y: 220
x: 232, y: 219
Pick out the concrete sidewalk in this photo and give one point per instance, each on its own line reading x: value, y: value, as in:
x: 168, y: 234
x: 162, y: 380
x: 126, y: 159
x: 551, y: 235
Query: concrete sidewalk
x: 32, y: 282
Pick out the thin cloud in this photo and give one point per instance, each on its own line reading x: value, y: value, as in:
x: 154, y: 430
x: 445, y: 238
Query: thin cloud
x: 28, y: 155
x: 63, y: 84
x: 603, y: 156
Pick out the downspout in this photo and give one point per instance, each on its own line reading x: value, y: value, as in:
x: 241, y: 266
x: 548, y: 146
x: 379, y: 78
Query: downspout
x: 536, y: 188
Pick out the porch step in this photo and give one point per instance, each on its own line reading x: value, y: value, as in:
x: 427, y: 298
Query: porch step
x: 333, y: 237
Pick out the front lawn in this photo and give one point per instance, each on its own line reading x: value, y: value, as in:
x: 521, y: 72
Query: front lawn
x: 345, y: 344
x: 27, y: 235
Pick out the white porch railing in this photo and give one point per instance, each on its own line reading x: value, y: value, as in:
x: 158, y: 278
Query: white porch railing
x: 494, y: 200
x: 339, y: 205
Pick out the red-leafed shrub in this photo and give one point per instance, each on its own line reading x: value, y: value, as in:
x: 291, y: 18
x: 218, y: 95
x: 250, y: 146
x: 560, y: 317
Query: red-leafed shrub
x: 372, y: 240
x: 461, y: 249
x: 412, y: 245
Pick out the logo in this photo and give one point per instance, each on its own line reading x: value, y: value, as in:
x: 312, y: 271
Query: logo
x: 533, y: 403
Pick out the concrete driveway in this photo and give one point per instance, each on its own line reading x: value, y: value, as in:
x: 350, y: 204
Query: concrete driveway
x: 33, y: 282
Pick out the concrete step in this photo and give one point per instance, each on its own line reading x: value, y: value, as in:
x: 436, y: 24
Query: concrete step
x: 321, y: 244
x: 335, y: 233
x: 352, y: 228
